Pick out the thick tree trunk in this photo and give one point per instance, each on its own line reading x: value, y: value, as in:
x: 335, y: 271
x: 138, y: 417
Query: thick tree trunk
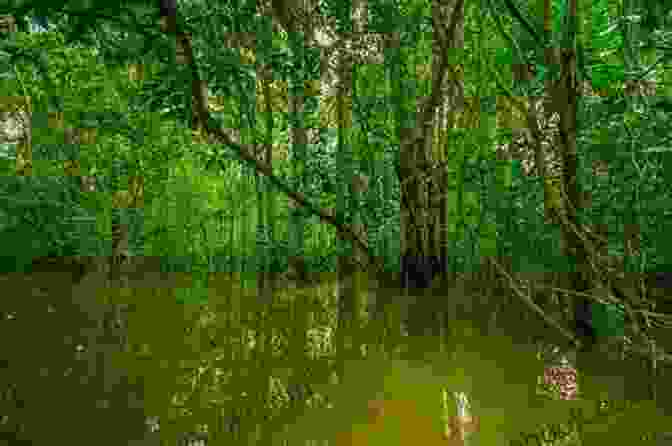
x: 419, y: 216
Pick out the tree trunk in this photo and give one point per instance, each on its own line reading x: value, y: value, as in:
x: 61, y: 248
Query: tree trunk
x: 418, y: 217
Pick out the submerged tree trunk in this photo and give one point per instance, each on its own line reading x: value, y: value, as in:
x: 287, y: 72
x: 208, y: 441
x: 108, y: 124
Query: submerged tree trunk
x: 419, y: 217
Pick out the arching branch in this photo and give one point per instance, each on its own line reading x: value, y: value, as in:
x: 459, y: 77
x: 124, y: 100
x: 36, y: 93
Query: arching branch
x: 247, y: 155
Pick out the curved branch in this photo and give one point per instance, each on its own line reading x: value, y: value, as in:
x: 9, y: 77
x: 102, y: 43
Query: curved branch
x: 246, y: 155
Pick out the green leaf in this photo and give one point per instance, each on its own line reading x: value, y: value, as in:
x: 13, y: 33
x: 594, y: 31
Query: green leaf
x: 504, y: 56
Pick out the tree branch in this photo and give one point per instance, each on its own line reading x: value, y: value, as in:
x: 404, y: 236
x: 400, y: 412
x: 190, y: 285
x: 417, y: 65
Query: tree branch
x: 201, y: 109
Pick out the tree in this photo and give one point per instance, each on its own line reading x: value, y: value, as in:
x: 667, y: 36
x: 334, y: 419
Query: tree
x: 422, y: 172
